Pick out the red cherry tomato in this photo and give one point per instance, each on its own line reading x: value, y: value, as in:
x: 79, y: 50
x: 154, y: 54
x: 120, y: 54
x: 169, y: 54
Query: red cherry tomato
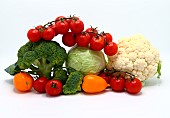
x: 117, y: 84
x: 106, y: 77
x: 34, y: 35
x: 62, y: 27
x: 72, y: 18
x: 68, y: 39
x: 48, y: 34
x: 54, y: 28
x: 108, y: 37
x: 53, y: 87
x: 111, y: 49
x: 92, y: 31
x: 83, y: 39
x: 76, y: 26
x: 97, y: 43
x: 59, y: 18
x: 39, y: 84
x: 134, y: 86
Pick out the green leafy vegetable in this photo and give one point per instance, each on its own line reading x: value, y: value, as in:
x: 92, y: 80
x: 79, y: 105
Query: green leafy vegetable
x: 159, y: 69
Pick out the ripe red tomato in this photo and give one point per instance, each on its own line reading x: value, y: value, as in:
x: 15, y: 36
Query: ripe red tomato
x: 48, y: 34
x: 108, y: 37
x: 134, y: 86
x: 117, y: 84
x: 39, y: 84
x: 106, y: 77
x: 76, y: 26
x: 54, y: 28
x: 62, y: 27
x: 92, y: 31
x: 34, y: 35
x: 53, y: 87
x: 110, y: 49
x: 68, y: 39
x: 83, y: 39
x: 97, y: 43
x: 59, y: 18
x: 72, y: 18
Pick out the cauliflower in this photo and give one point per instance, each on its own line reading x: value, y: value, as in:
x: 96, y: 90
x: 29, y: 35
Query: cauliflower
x: 136, y: 56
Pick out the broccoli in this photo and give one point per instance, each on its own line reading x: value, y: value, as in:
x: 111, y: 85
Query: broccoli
x: 73, y: 83
x: 41, y: 58
x: 61, y: 74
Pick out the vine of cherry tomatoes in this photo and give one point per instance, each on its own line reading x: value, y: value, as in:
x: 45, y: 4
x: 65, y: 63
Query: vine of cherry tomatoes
x: 73, y: 32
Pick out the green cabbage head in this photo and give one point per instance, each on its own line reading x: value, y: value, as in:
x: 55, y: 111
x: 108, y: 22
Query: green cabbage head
x: 86, y: 60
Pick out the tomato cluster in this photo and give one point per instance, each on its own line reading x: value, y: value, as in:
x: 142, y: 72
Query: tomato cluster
x: 72, y: 31
x: 118, y: 82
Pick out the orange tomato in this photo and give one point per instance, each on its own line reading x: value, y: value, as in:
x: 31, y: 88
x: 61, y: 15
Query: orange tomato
x: 23, y: 82
x: 94, y: 84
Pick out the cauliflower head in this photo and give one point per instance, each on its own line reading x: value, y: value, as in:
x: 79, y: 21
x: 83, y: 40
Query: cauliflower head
x: 137, y: 56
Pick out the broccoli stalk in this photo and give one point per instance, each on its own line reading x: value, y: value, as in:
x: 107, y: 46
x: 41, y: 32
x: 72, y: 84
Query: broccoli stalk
x: 39, y: 58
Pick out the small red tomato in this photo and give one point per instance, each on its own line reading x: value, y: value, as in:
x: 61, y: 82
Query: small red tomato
x: 83, y: 39
x: 59, y: 18
x: 53, y: 87
x: 106, y: 77
x: 76, y: 26
x: 117, y: 84
x: 133, y: 86
x: 39, y: 84
x: 111, y: 49
x: 54, y: 28
x: 62, y: 27
x: 108, y: 37
x: 92, y: 31
x: 48, y: 34
x: 72, y: 18
x: 97, y: 43
x: 34, y: 35
x: 68, y: 39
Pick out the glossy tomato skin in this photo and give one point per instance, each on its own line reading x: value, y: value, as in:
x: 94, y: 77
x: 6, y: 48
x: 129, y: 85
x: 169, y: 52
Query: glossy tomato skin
x: 39, y: 84
x: 76, y: 26
x: 68, y: 39
x: 72, y: 18
x: 106, y: 77
x: 62, y: 27
x: 92, y: 32
x: 111, y: 49
x: 53, y: 87
x: 54, y: 28
x: 48, y: 34
x: 134, y: 86
x: 83, y: 39
x: 117, y: 84
x: 97, y: 43
x: 59, y: 18
x: 107, y: 37
x: 34, y: 35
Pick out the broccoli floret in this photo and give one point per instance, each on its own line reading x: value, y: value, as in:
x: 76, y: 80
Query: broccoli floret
x: 61, y: 74
x: 73, y: 83
x: 41, y: 57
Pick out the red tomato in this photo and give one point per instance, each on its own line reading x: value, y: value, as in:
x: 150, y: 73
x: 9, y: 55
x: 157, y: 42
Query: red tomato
x: 117, y: 84
x: 48, y: 34
x: 83, y: 39
x: 68, y: 39
x: 97, y: 43
x: 53, y: 87
x: 59, y: 18
x: 92, y: 31
x: 54, y: 28
x: 62, y: 27
x: 72, y: 18
x: 111, y: 49
x: 108, y: 37
x: 76, y: 26
x: 106, y: 77
x: 39, y: 84
x: 34, y: 35
x: 134, y: 86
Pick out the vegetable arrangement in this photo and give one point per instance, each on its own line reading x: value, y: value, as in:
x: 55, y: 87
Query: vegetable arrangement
x: 41, y: 60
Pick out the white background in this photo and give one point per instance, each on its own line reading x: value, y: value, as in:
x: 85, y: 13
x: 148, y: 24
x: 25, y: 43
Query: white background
x: 121, y: 18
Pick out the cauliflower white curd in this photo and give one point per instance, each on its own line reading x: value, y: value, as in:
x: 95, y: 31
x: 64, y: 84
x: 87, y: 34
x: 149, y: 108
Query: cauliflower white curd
x: 137, y: 56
